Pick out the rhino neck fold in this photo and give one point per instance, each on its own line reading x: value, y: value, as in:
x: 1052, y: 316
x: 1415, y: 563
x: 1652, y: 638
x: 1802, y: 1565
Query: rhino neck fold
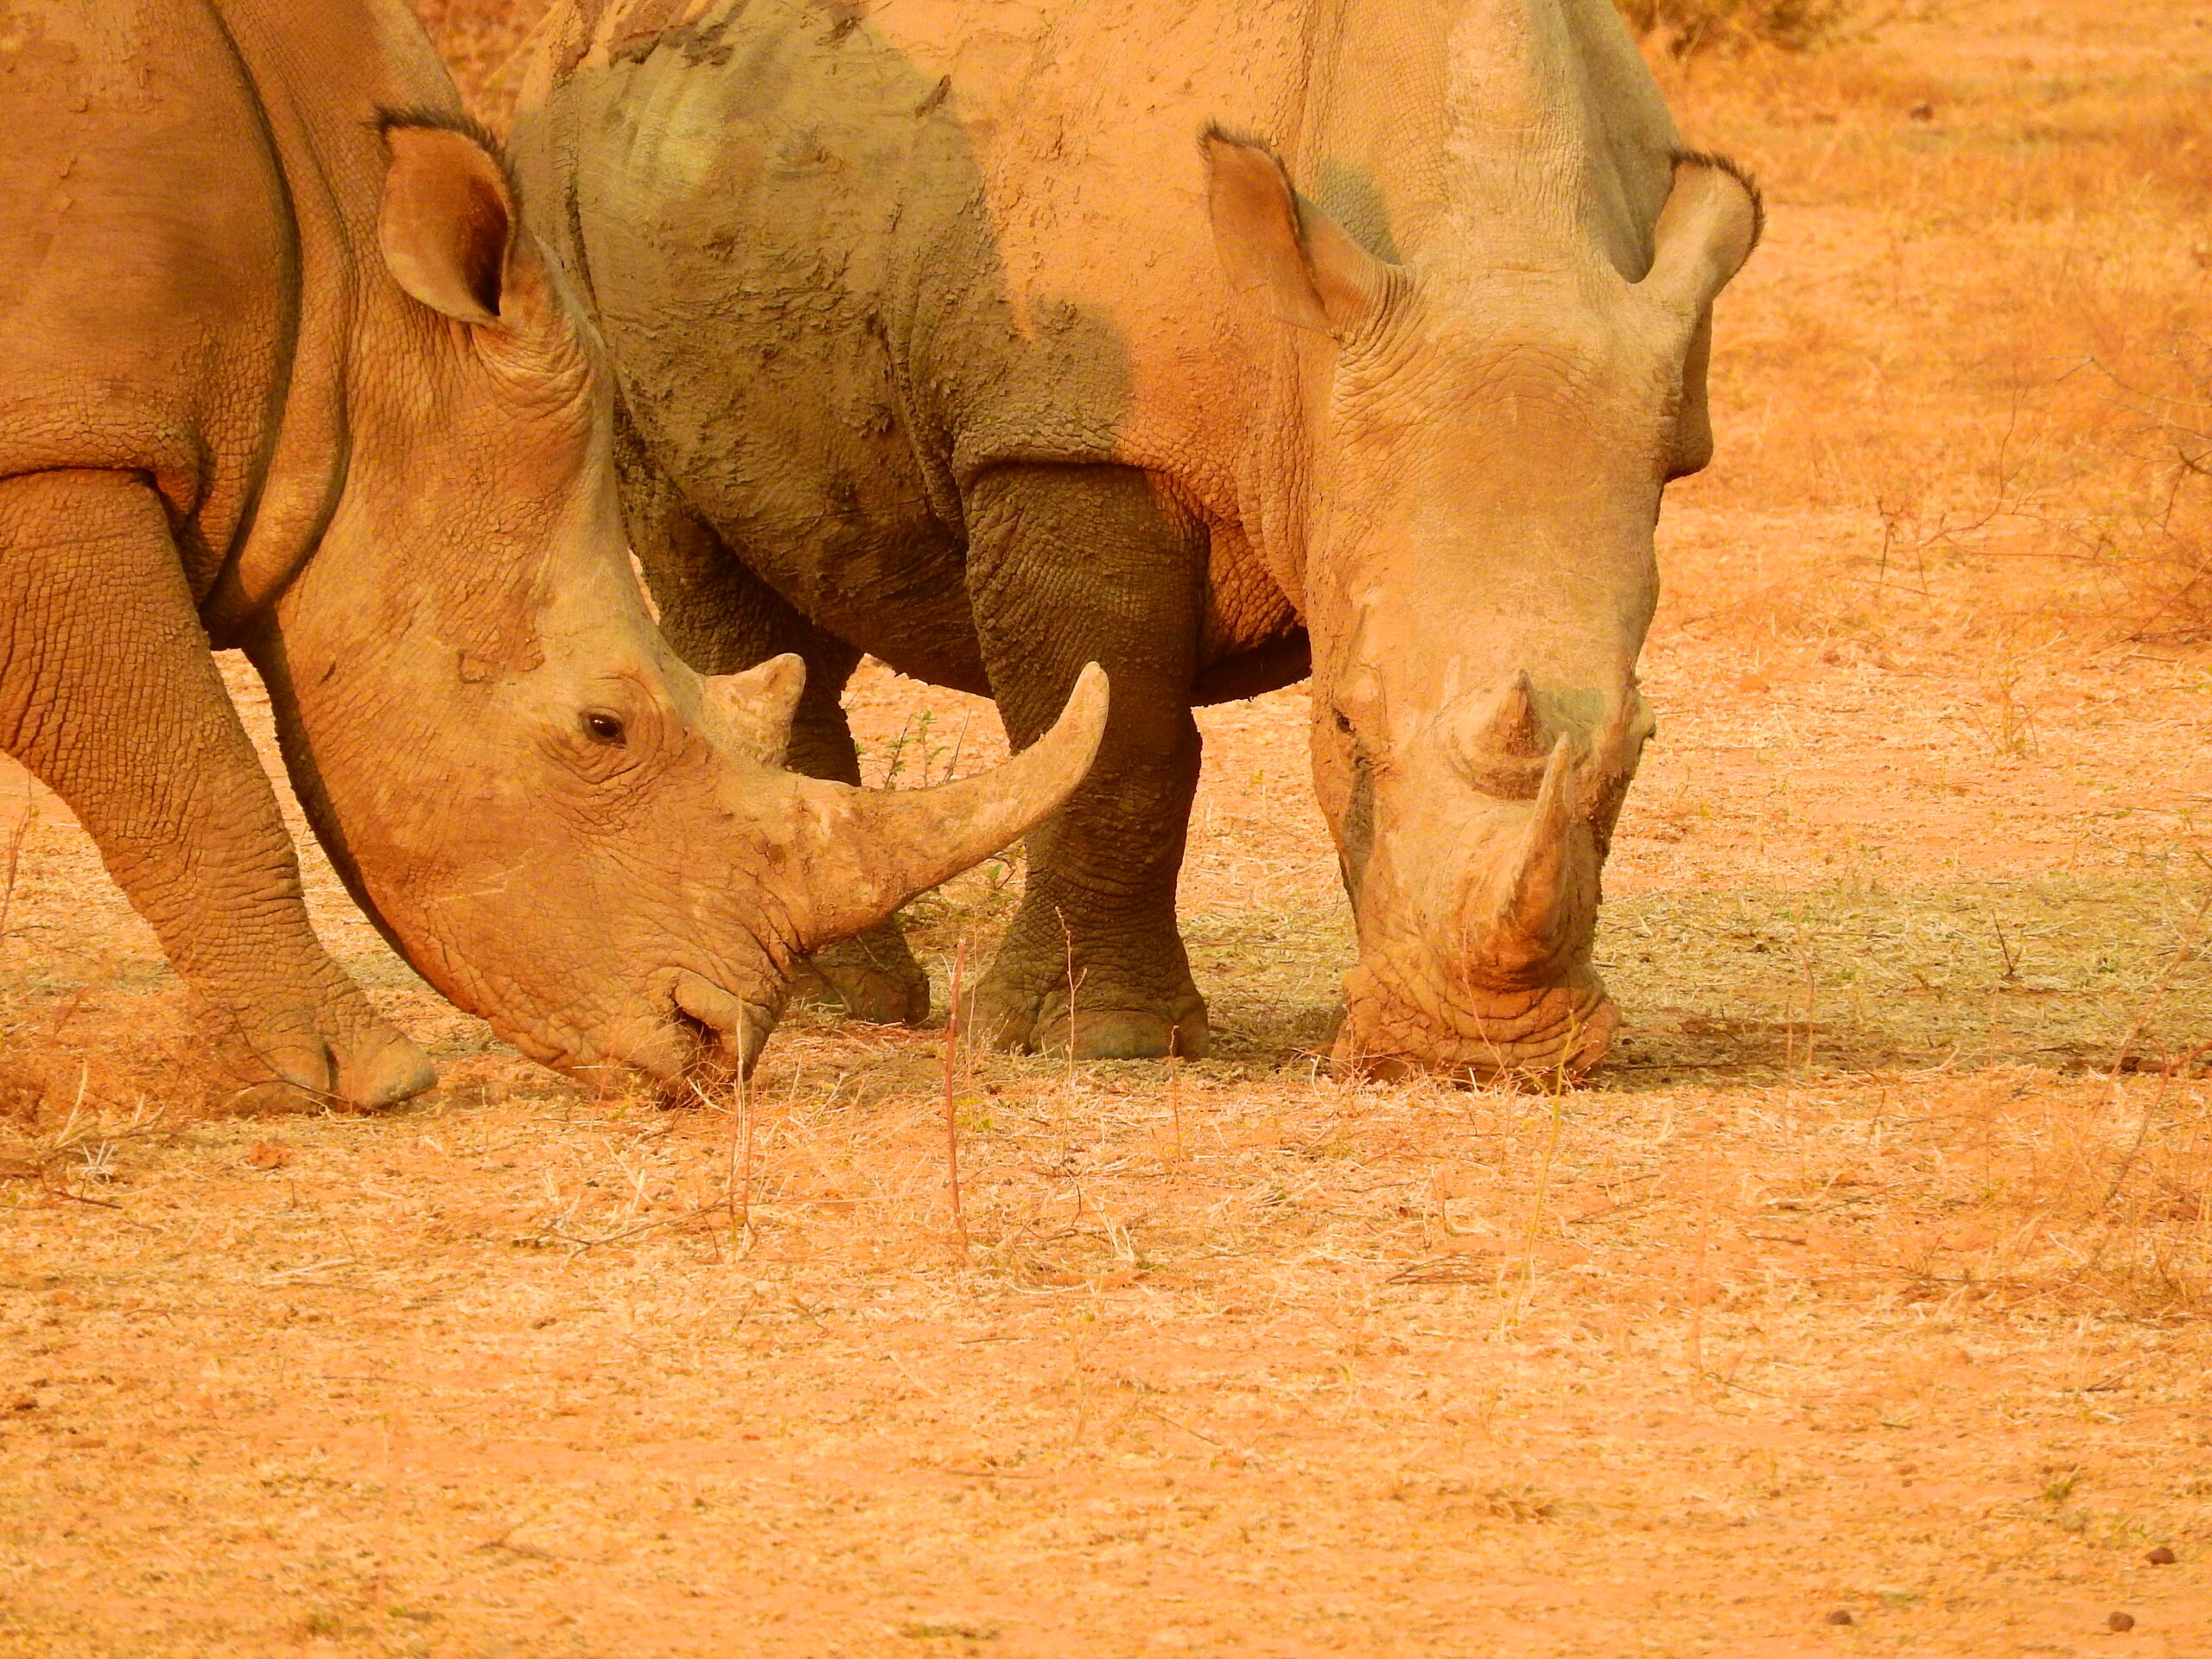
x: 266, y: 645
x: 315, y: 110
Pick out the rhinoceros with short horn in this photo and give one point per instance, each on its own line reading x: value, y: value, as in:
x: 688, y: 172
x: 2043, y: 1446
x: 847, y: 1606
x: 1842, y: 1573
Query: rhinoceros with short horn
x: 280, y: 370
x: 1214, y: 340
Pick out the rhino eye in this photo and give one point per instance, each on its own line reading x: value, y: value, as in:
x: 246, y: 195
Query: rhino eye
x: 603, y: 728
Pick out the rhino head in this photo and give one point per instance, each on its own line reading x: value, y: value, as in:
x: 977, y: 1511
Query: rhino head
x: 564, y: 829
x: 1486, y: 431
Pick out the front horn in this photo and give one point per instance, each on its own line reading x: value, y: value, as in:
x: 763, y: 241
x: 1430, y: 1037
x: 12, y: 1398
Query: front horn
x: 1536, y: 911
x: 867, y: 852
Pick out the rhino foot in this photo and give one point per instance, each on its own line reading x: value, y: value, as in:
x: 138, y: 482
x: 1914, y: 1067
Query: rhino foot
x: 1176, y: 1026
x: 341, y: 1055
x: 873, y: 976
x: 1133, y: 1033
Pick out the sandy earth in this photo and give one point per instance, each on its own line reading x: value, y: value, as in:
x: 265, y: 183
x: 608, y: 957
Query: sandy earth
x: 1871, y: 1280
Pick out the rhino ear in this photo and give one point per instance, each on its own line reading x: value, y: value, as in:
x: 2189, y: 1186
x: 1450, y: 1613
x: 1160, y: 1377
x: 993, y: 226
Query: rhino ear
x: 1711, y: 223
x: 1316, y: 276
x: 450, y: 231
x: 752, y: 712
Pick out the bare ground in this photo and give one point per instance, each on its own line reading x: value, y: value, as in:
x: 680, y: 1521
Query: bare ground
x: 1871, y: 1279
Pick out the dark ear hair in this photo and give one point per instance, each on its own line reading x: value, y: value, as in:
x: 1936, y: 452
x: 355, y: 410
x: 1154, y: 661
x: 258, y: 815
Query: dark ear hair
x: 1316, y: 276
x: 451, y: 227
x: 1713, y: 219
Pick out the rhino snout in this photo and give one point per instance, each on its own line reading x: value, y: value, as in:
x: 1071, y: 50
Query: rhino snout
x: 1401, y: 1018
x: 728, y: 1030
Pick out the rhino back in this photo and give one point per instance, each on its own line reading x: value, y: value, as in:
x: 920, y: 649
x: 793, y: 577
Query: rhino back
x: 904, y: 215
x: 849, y: 258
x: 191, y: 191
x: 147, y: 265
x: 746, y: 201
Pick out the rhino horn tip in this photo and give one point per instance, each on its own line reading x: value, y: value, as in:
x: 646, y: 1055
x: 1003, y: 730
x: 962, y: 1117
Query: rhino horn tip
x: 890, y: 844
x: 1535, y: 898
x: 1513, y: 727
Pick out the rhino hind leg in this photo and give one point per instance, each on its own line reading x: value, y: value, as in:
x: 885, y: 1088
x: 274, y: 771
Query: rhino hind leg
x: 108, y: 695
x: 1070, y: 565
x: 722, y: 619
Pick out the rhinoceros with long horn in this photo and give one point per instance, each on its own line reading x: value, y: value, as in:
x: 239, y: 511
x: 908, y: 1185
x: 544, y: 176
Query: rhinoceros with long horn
x: 280, y: 369
x: 1216, y: 340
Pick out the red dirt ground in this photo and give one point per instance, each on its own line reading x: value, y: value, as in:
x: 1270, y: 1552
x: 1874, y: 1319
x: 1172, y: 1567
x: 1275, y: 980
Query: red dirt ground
x: 1871, y: 1279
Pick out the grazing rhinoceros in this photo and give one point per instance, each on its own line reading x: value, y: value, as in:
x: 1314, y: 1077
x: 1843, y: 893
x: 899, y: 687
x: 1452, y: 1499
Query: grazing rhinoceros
x: 991, y: 338
x: 279, y: 370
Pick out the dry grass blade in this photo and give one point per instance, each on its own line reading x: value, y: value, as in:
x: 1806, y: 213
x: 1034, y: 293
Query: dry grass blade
x: 16, y: 835
x: 951, y: 1105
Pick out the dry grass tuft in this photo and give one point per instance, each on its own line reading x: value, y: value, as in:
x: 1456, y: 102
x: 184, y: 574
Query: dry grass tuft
x: 1688, y: 28
x: 2157, y: 537
x: 479, y: 40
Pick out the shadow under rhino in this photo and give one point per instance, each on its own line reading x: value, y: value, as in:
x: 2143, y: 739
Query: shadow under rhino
x: 2072, y: 973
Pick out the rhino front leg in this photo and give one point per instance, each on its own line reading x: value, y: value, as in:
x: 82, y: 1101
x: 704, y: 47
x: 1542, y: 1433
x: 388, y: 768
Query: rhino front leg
x: 721, y: 619
x: 1069, y: 565
x: 109, y: 694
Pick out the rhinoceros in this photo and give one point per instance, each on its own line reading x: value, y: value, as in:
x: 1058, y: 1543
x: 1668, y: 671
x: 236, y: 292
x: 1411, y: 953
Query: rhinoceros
x: 1220, y: 341
x: 281, y: 370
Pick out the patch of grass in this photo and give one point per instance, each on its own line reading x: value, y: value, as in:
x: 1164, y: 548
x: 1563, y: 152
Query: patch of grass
x: 2054, y: 972
x: 2160, y: 539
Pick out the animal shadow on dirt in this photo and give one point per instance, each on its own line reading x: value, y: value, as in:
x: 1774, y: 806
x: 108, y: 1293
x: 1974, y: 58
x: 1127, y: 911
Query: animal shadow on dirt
x: 2065, y: 973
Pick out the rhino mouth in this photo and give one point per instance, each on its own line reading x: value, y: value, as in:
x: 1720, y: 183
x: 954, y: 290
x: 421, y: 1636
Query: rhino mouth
x: 689, y: 1050
x: 1552, y: 1034
x: 1486, y: 975
x: 724, y: 1033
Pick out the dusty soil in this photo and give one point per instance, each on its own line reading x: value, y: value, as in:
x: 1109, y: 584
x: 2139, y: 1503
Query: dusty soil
x: 1871, y: 1280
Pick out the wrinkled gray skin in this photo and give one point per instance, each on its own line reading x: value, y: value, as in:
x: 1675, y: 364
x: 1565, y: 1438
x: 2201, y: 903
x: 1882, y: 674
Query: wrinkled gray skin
x: 279, y: 370
x: 992, y: 339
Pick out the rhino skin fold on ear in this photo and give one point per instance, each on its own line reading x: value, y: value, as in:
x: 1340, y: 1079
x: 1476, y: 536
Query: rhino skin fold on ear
x: 1319, y: 277
x: 1713, y: 219
x: 450, y: 216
